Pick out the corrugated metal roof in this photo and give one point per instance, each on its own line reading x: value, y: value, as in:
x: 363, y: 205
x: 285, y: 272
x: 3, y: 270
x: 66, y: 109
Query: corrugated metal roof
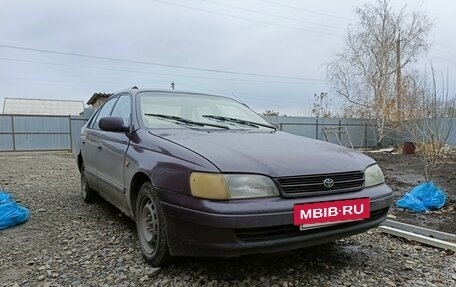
x: 20, y: 106
x: 98, y: 95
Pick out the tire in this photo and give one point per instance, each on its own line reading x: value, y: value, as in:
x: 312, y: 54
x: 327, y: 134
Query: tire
x: 88, y: 194
x: 151, y: 227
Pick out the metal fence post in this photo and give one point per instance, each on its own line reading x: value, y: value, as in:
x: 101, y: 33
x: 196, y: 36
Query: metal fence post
x: 365, y: 134
x: 12, y: 133
x: 71, y: 138
x: 316, y: 128
x: 339, y: 133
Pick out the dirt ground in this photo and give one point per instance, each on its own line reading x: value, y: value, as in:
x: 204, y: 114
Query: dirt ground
x: 403, y: 172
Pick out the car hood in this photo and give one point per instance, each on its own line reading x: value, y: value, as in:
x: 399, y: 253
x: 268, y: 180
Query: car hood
x: 275, y: 154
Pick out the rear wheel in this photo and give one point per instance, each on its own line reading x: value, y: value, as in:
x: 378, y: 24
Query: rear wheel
x: 88, y: 194
x: 151, y: 226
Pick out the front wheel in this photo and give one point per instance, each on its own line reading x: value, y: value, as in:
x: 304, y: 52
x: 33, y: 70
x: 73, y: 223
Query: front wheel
x: 151, y: 227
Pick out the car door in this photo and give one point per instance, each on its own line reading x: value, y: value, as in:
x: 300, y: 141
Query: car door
x: 91, y: 146
x: 111, y: 165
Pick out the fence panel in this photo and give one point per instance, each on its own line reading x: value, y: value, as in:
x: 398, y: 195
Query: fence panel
x: 41, y: 133
x: 452, y: 136
x: 6, y: 142
x: 28, y: 133
x: 299, y: 129
x: 420, y: 130
x: 6, y: 136
x: 327, y: 123
x: 362, y: 133
x: 41, y: 124
x: 6, y: 124
x: 302, y: 126
x: 36, y: 142
x: 34, y: 133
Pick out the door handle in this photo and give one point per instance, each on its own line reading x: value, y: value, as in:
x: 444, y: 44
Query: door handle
x: 99, y: 147
x: 83, y: 142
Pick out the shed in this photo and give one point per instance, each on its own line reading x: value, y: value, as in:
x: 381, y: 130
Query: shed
x: 98, y: 99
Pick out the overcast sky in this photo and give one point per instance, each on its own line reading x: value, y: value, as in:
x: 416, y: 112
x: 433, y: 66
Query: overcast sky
x: 290, y: 43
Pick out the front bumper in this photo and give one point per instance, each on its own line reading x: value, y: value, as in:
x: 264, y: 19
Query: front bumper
x: 199, y: 227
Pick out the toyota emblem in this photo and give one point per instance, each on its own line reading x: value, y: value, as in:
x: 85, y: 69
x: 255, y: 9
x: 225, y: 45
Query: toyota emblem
x: 328, y: 183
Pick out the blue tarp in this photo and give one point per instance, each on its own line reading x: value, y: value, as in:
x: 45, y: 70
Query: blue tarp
x: 11, y: 213
x: 423, y: 197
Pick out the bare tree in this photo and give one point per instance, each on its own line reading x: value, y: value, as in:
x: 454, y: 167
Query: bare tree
x: 271, y: 113
x: 432, y: 125
x: 367, y: 73
x: 322, y: 106
x: 413, y: 93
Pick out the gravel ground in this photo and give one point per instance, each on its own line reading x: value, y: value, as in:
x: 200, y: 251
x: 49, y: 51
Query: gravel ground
x: 69, y: 243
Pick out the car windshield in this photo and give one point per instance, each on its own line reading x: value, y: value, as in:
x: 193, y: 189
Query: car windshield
x: 180, y: 110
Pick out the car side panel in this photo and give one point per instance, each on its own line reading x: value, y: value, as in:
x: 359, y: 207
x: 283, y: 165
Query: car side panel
x: 111, y: 164
x: 89, y: 151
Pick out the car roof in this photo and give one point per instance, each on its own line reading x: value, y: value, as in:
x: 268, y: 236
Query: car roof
x: 135, y: 90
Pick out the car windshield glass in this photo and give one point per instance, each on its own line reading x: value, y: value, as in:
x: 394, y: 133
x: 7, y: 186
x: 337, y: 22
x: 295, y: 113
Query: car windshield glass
x: 186, y: 121
x: 238, y: 121
x: 197, y: 108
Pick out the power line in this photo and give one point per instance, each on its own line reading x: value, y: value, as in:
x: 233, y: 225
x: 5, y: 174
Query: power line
x: 66, y: 82
x: 61, y: 81
x: 272, y: 15
x: 231, y: 94
x: 445, y: 47
x: 149, y: 63
x: 444, y: 59
x: 245, y: 18
x: 123, y: 83
x: 306, y: 10
x: 310, y: 81
x: 445, y: 52
x: 129, y: 82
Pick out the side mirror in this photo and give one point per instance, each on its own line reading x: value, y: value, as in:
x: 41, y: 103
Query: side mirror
x: 113, y: 124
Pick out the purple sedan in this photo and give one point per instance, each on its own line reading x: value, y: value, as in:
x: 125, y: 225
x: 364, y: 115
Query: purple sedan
x: 203, y: 175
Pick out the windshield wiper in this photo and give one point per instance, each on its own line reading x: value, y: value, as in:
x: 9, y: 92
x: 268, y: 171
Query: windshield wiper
x: 239, y: 121
x: 186, y: 121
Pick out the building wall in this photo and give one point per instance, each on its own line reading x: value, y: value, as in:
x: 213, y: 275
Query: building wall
x: 42, y: 107
x: 98, y: 102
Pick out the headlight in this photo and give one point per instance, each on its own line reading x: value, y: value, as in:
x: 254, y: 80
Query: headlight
x: 373, y: 175
x: 250, y: 185
x: 231, y: 186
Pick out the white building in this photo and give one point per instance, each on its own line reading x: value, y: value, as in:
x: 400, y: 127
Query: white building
x: 20, y: 106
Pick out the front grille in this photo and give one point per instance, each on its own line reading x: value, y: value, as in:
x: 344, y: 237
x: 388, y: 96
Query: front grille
x: 310, y: 185
x: 289, y: 231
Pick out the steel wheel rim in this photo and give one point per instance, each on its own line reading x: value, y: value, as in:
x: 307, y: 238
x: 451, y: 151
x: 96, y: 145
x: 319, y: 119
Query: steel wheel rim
x: 149, y: 225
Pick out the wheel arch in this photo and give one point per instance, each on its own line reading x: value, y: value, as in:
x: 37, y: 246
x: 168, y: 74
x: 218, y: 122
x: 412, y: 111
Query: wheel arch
x: 136, y: 182
x: 80, y: 161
